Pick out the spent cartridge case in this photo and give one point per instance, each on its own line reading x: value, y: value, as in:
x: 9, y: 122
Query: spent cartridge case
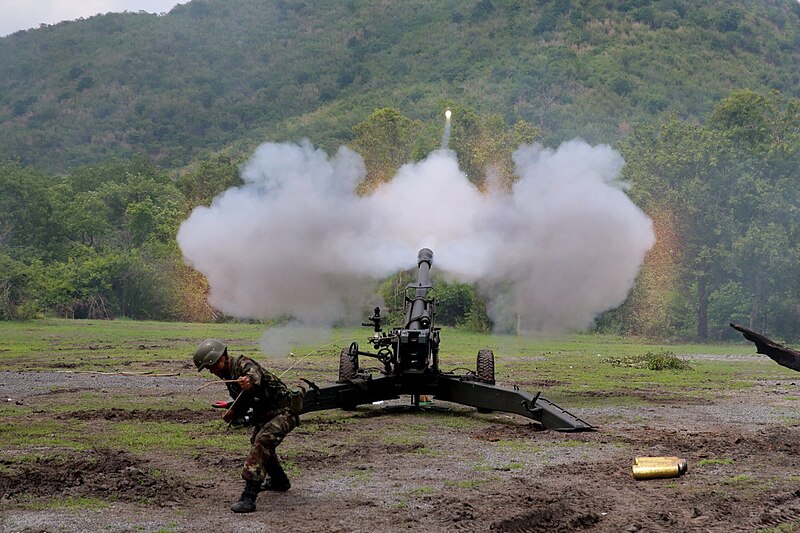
x: 651, y: 460
x: 683, y: 465
x: 656, y: 471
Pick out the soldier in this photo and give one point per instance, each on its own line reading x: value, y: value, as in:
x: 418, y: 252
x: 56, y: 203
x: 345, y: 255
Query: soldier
x: 259, y: 398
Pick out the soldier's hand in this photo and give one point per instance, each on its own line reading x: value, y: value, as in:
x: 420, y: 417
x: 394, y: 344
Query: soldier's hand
x: 245, y: 382
x: 228, y: 415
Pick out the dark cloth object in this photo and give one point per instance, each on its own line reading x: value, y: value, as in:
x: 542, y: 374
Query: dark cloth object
x: 262, y: 461
x: 247, y: 501
x: 780, y: 354
x: 267, y: 396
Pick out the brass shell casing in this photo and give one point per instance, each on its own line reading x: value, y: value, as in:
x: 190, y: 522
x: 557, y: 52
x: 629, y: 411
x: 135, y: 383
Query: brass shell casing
x: 651, y: 460
x: 683, y: 465
x: 656, y: 471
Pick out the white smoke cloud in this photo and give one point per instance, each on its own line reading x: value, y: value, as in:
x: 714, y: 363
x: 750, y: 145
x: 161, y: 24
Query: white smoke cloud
x: 285, y: 243
x: 278, y: 341
x: 573, y: 240
x: 295, y: 240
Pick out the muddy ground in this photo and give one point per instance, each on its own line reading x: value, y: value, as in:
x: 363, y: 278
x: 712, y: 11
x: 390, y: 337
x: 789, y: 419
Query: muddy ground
x: 448, y: 468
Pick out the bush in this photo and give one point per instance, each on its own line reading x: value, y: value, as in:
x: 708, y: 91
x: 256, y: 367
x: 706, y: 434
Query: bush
x: 664, y: 360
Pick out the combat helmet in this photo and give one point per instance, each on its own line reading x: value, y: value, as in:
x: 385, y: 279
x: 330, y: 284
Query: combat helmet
x: 208, y: 353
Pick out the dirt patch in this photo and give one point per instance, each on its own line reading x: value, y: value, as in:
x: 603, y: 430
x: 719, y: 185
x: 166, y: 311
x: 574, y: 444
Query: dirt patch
x: 571, y: 510
x: 98, y: 473
x: 498, y: 432
x: 145, y: 415
x: 650, y: 396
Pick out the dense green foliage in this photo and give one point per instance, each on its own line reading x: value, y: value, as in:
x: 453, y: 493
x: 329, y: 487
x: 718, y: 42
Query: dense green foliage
x: 702, y: 99
x: 94, y: 243
x: 727, y: 207
x: 217, y: 73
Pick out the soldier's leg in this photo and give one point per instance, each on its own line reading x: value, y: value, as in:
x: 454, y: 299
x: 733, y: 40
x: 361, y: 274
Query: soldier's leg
x: 253, y: 478
x: 263, y: 460
x: 276, y: 480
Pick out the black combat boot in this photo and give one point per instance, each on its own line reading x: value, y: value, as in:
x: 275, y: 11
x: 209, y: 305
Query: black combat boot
x: 247, y: 502
x: 276, y: 479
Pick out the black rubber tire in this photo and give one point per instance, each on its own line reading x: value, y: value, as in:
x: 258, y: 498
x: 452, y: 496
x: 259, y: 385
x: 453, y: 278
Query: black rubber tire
x: 485, y: 366
x: 485, y: 371
x: 348, y: 365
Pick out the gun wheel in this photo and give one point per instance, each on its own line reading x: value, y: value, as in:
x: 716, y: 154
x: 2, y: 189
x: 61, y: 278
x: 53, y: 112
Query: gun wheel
x: 348, y: 364
x: 485, y: 366
x: 485, y: 371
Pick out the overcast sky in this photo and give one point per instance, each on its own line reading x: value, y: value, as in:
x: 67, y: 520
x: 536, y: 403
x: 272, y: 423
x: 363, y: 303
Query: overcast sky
x: 25, y: 14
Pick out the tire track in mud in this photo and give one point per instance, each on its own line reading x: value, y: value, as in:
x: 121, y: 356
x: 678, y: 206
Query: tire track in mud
x: 781, y: 510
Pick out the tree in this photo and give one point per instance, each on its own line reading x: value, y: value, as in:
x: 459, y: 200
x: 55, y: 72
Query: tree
x: 212, y: 176
x: 728, y: 191
x: 686, y: 174
x: 764, y: 131
x: 26, y: 211
x: 20, y: 288
x: 484, y: 144
x: 386, y: 141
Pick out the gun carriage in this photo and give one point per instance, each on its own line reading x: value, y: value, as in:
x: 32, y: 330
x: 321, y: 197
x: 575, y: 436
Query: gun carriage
x: 410, y: 359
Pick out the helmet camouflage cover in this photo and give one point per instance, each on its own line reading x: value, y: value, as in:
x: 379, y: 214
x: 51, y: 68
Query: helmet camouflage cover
x: 208, y: 353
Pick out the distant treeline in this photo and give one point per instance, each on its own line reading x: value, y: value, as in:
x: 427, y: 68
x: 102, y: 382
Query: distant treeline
x: 99, y: 241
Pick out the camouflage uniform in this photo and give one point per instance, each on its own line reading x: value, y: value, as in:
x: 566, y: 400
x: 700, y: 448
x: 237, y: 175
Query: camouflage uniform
x: 275, y: 413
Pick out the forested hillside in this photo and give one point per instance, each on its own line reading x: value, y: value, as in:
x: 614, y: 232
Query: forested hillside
x: 213, y: 74
x: 113, y: 129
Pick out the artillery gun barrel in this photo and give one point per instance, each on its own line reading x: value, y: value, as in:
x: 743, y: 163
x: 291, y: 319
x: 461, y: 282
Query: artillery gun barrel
x: 418, y: 316
x: 410, y: 355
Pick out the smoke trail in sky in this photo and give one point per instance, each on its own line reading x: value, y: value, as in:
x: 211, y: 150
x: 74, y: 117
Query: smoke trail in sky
x: 295, y: 240
x: 447, y: 127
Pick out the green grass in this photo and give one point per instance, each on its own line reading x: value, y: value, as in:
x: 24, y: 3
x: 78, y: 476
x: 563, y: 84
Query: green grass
x: 143, y: 436
x: 51, y: 433
x: 360, y: 475
x: 568, y: 365
x: 407, y: 437
x: 132, y: 436
x: 417, y: 492
x: 72, y: 504
x: 742, y: 480
x: 456, y: 420
x: 573, y: 370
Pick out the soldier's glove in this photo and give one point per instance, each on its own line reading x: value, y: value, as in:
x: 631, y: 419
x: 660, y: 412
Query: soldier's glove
x: 222, y: 404
x: 228, y: 416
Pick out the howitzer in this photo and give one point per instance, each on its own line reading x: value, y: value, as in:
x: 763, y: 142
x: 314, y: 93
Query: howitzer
x: 410, y: 358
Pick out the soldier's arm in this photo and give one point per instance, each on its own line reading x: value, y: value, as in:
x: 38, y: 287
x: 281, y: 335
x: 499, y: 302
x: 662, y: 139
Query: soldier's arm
x: 250, y: 371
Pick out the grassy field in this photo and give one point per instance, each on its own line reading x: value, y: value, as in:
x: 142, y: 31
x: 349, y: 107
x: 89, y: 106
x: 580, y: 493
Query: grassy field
x: 579, y: 370
x: 80, y: 422
x: 568, y: 366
